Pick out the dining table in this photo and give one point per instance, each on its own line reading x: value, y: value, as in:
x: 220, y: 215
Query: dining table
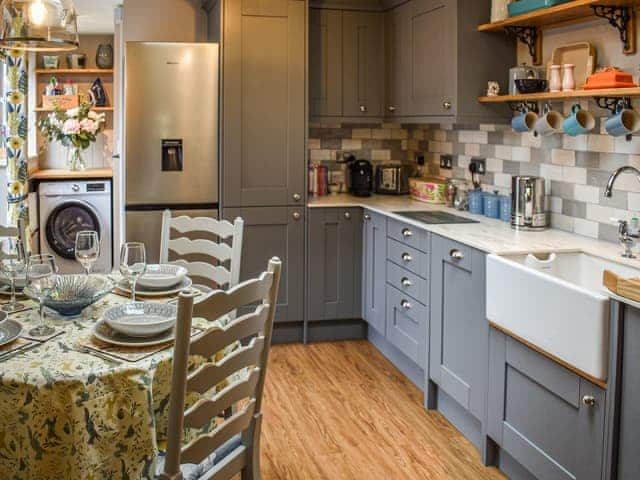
x: 68, y: 411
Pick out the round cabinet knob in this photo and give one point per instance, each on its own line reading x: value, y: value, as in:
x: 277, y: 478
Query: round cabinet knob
x: 363, y: 108
x: 296, y: 215
x: 75, y: 187
x: 392, y: 108
x: 446, y: 105
x: 406, y: 257
x: 297, y: 197
x: 367, y: 217
x: 405, y: 304
x: 406, y: 232
x: 589, y: 401
x: 405, y: 282
x: 347, y: 215
x: 456, y: 254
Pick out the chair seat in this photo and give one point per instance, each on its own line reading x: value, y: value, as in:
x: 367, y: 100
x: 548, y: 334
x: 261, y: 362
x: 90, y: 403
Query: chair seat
x: 192, y: 471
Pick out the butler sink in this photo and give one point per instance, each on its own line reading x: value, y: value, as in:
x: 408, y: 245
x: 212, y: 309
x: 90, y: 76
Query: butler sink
x: 557, y: 303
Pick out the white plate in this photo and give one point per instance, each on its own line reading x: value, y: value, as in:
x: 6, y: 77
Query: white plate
x: 105, y: 333
x: 162, y: 276
x: 141, y: 319
x: 9, y: 331
x: 184, y: 284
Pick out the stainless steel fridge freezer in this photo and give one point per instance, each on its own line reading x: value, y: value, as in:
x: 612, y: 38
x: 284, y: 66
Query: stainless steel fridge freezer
x: 171, y: 134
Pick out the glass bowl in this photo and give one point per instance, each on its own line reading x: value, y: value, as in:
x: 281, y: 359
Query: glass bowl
x: 71, y: 294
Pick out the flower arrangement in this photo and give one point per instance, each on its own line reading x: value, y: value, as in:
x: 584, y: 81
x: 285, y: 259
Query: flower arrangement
x: 76, y: 128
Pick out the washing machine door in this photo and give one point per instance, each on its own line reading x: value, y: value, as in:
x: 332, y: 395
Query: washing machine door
x: 65, y: 221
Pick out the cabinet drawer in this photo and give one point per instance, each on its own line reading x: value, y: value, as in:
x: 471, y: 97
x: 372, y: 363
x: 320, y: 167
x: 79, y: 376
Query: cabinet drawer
x: 407, y: 325
x: 408, y: 257
x: 407, y: 282
x: 459, y: 255
x: 408, y: 234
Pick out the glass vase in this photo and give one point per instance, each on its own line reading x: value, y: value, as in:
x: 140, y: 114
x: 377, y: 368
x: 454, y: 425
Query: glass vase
x: 75, y: 162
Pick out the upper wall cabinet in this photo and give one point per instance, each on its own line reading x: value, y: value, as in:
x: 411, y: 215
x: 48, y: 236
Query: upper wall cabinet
x: 398, y: 61
x: 346, y: 63
x: 263, y: 129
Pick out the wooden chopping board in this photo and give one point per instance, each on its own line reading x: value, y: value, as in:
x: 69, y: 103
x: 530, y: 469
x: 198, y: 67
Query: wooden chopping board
x: 625, y: 287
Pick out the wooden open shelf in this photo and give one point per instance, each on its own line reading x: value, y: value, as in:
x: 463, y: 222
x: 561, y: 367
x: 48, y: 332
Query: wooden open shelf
x: 95, y: 109
x: 69, y: 71
x: 565, y: 12
x: 59, y: 174
x: 535, y: 97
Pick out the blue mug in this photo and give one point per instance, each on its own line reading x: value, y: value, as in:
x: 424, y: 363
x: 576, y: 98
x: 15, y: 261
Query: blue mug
x: 491, y: 205
x: 624, y: 122
x: 475, y: 201
x: 524, y: 122
x: 579, y: 122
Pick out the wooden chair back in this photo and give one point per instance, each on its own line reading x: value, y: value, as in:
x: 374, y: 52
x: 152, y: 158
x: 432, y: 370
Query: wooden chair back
x: 243, y: 395
x: 216, y: 264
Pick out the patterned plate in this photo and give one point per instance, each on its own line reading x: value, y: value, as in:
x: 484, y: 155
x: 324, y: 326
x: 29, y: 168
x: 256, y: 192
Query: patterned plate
x: 147, y: 292
x: 9, y: 331
x: 105, y: 333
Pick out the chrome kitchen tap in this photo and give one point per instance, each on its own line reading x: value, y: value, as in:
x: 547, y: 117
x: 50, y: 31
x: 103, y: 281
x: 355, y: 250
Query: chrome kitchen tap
x: 626, y: 239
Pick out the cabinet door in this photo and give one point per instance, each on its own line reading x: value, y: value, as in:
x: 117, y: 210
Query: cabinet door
x: 325, y: 62
x: 275, y: 232
x: 362, y: 64
x: 433, y: 79
x: 407, y: 325
x: 459, y: 330
x: 335, y: 263
x: 397, y: 61
x: 547, y: 418
x: 374, y: 264
x: 263, y: 150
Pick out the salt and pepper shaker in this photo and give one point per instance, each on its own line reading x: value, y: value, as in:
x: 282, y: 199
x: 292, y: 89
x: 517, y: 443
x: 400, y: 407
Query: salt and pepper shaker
x: 555, y: 81
x: 568, y: 78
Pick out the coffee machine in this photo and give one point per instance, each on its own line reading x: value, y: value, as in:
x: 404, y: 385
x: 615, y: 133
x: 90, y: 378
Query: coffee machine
x: 361, y: 178
x: 528, y: 210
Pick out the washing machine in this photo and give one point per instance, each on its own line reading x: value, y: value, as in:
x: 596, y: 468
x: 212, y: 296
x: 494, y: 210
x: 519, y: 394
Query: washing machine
x: 69, y: 207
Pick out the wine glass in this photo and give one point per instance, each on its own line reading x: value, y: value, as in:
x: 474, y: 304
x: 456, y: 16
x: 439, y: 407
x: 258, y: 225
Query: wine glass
x: 12, y: 263
x: 133, y: 263
x: 87, y: 249
x: 41, y: 273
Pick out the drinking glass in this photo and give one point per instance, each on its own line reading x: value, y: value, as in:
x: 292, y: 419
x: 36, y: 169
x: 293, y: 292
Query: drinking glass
x: 41, y: 273
x: 87, y: 249
x: 133, y: 264
x: 12, y: 263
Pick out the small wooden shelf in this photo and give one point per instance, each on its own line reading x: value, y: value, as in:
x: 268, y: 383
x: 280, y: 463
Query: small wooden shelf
x: 535, y: 97
x: 95, y: 109
x: 565, y: 12
x: 69, y: 71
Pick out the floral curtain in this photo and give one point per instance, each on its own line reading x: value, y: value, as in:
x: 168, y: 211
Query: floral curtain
x: 15, y: 130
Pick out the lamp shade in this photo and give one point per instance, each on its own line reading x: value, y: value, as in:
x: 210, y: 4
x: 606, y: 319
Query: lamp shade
x: 38, y: 25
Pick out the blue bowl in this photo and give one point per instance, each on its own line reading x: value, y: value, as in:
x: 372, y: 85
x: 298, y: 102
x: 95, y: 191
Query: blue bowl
x: 71, y: 294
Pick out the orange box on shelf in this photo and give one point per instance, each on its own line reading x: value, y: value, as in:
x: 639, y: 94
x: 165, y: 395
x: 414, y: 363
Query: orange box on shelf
x: 61, y: 101
x: 610, y: 77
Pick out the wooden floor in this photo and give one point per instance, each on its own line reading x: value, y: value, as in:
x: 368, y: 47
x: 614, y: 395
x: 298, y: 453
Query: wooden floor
x: 342, y: 411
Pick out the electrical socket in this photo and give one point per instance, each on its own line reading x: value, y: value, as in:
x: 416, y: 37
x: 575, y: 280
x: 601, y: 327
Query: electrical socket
x: 446, y: 162
x: 480, y: 165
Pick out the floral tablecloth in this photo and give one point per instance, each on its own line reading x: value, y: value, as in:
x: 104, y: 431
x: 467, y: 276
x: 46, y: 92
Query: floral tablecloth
x: 71, y: 415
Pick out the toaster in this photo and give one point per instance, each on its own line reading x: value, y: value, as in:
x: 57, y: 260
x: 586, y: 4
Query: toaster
x: 392, y: 179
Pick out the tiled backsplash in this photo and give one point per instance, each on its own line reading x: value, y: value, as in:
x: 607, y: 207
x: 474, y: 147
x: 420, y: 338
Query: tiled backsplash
x: 577, y: 168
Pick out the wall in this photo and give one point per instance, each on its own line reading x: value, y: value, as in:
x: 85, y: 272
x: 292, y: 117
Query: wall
x: 164, y: 21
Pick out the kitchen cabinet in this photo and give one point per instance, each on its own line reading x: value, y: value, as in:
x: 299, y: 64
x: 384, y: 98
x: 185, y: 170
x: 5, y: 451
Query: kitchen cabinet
x: 398, y: 60
x: 334, y: 264
x: 325, y: 62
x: 362, y: 64
x: 373, y: 270
x: 279, y: 232
x: 546, y: 417
x: 264, y: 105
x: 458, y: 330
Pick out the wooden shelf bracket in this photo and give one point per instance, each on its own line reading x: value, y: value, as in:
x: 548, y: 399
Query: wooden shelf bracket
x: 623, y: 20
x: 531, y: 37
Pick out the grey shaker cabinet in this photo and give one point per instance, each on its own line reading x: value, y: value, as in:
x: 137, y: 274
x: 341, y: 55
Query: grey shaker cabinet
x: 334, y: 263
x: 279, y: 232
x: 407, y: 324
x: 458, y: 330
x: 374, y: 299
x: 325, y: 62
x: 264, y: 105
x: 546, y: 417
x: 362, y: 64
x: 398, y: 60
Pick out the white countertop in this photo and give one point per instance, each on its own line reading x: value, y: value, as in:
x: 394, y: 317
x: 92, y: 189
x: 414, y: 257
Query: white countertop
x: 491, y: 236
